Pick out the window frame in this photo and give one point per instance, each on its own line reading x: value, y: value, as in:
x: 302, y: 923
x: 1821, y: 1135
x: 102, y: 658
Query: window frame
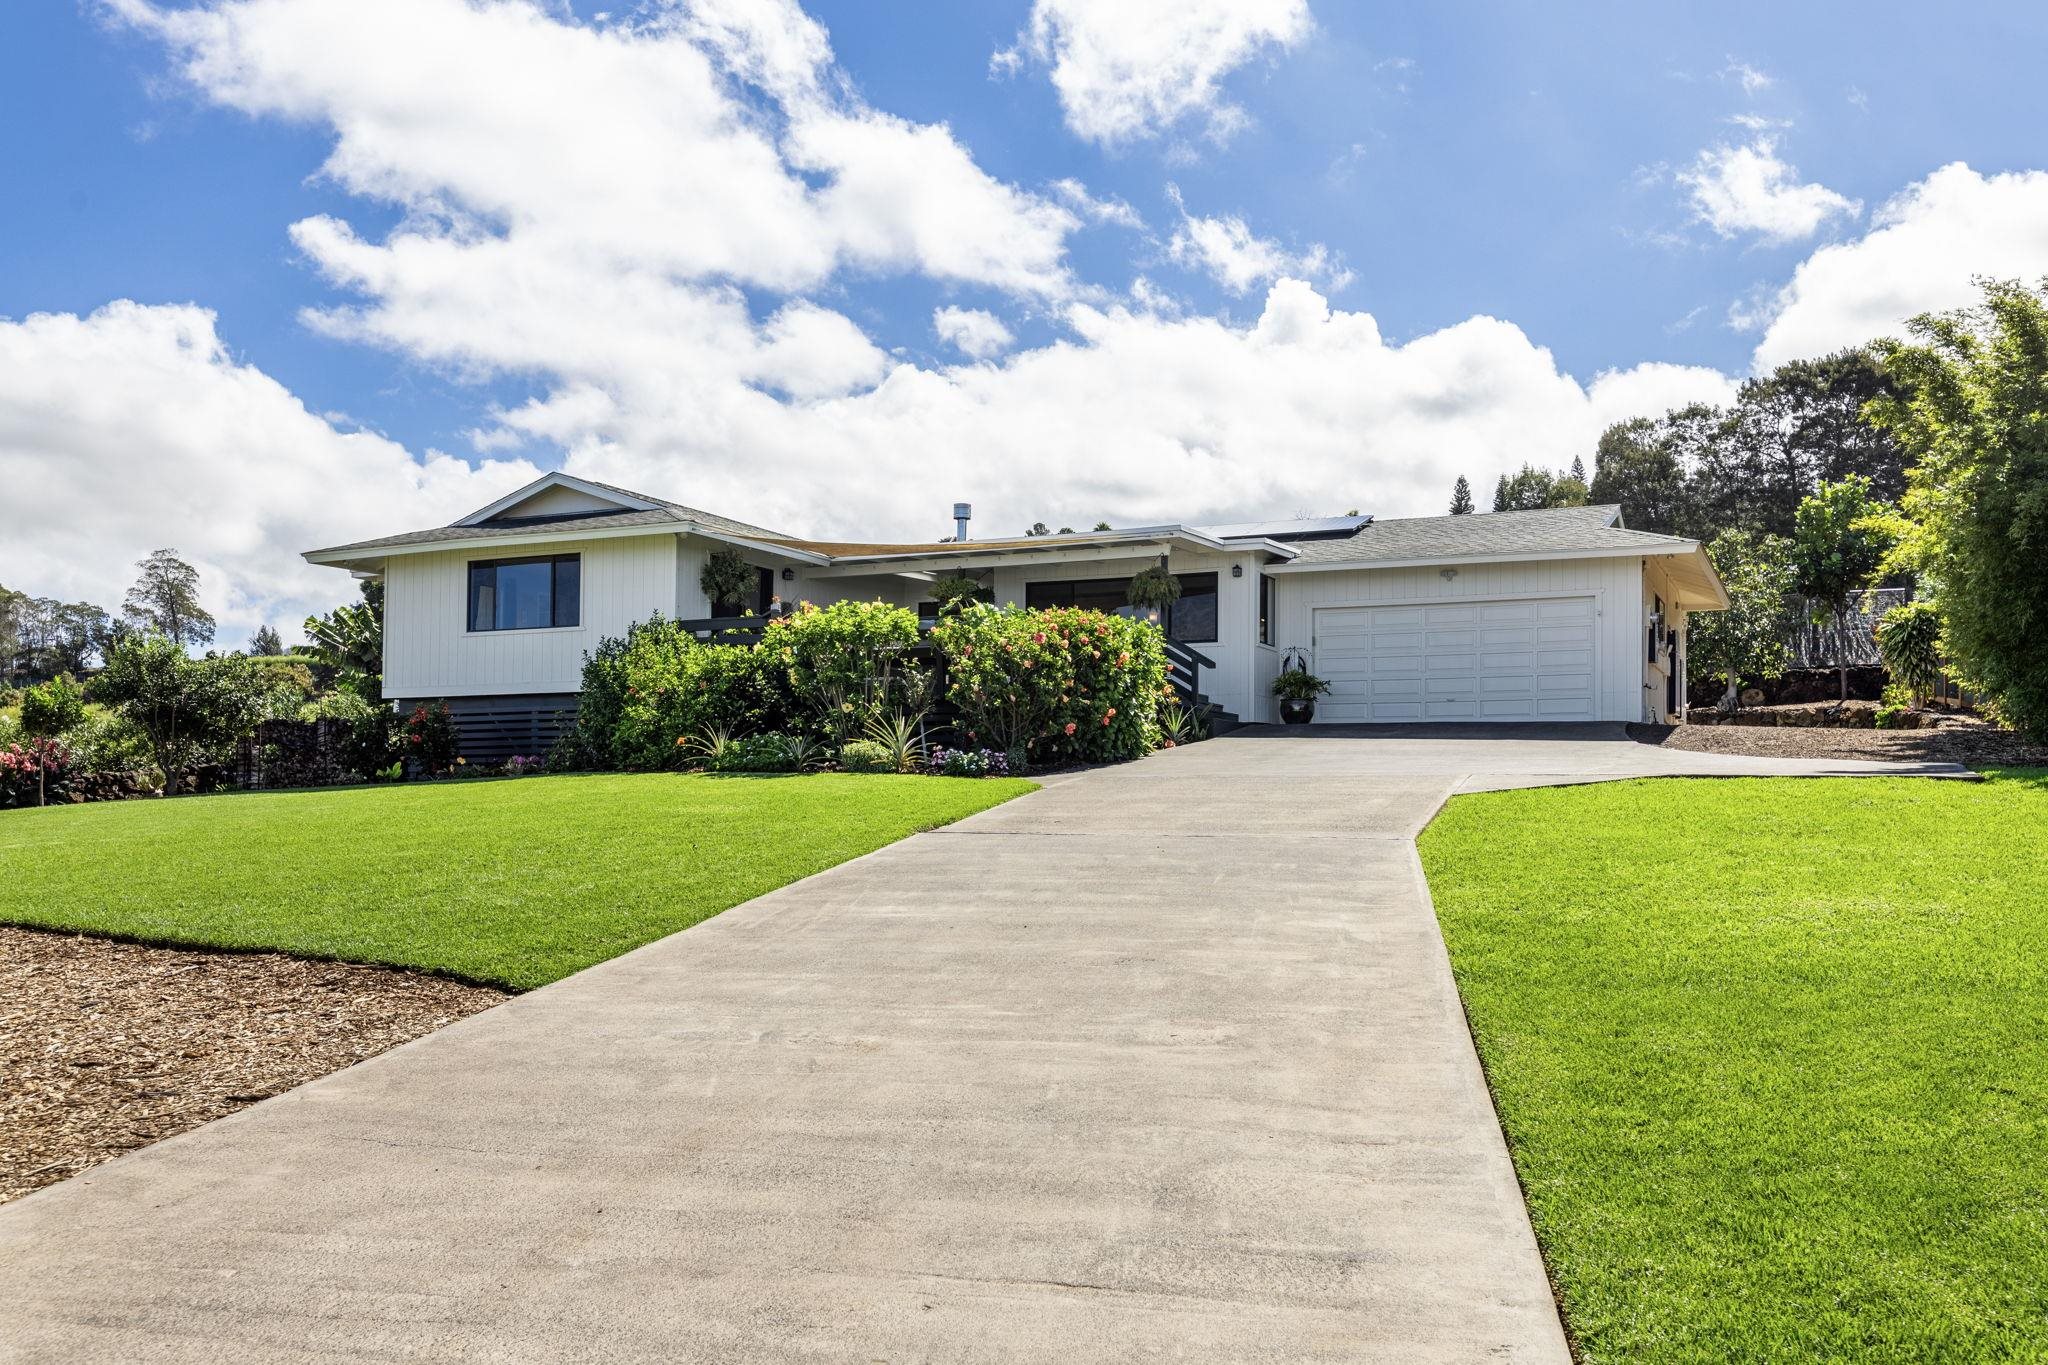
x: 554, y: 563
x: 1056, y: 587
x: 1269, y: 603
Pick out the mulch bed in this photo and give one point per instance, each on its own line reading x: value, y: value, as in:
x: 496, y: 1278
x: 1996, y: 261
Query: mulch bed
x: 106, y: 1047
x: 1967, y: 740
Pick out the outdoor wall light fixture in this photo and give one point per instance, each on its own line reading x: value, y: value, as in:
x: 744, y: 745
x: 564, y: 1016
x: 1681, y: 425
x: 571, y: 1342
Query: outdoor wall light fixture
x: 788, y: 574
x: 1237, y: 571
x: 1447, y: 574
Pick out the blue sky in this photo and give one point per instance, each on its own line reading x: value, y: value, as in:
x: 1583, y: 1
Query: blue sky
x: 1666, y: 196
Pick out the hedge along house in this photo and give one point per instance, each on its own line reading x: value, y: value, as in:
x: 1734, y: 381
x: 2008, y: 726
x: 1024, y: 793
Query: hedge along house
x: 1559, y: 615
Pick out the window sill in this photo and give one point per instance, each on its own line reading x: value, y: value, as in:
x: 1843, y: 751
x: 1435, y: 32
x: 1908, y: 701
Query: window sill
x: 524, y: 630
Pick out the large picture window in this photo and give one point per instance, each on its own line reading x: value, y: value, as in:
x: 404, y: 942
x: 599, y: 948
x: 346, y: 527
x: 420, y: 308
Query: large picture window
x: 525, y: 594
x: 1191, y: 620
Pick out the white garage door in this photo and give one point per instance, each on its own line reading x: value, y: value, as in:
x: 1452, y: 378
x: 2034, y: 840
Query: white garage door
x: 1519, y: 660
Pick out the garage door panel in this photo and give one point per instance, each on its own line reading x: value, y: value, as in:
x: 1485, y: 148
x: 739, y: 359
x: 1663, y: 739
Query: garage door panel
x: 1512, y: 659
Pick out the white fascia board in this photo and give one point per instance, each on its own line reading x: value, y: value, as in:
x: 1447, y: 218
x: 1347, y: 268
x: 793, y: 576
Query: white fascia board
x: 1676, y: 547
x: 557, y: 479
x: 1059, y: 550
x: 766, y: 547
x: 537, y: 537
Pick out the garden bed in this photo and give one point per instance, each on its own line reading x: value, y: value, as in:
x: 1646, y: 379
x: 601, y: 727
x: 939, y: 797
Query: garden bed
x: 1968, y: 740
x: 112, y: 1046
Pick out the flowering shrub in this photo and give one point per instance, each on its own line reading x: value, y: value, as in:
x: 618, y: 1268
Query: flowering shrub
x: 33, y: 770
x: 967, y: 763
x: 1065, y: 684
x: 428, y: 738
x: 844, y: 663
x: 521, y: 765
x: 658, y: 684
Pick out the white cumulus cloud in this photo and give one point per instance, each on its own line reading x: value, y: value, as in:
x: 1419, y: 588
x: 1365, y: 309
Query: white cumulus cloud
x: 974, y: 332
x: 1129, y: 69
x: 1923, y: 253
x: 1239, y: 259
x: 1749, y: 188
x: 133, y: 429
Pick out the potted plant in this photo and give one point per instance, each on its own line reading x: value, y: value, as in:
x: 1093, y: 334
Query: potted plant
x: 1297, y: 690
x: 1153, y: 590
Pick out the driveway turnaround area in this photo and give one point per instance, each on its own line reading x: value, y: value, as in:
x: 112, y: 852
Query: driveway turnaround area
x: 1161, y: 1062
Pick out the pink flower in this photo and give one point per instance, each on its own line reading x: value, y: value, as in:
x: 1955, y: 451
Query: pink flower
x: 1071, y: 727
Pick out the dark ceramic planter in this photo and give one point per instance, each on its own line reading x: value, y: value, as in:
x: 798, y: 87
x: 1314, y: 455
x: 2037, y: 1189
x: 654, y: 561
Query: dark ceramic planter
x: 1297, y: 712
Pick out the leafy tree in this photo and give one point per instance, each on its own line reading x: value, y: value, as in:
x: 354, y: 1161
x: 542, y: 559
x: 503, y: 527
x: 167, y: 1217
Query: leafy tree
x: 1461, y: 498
x: 1634, y: 466
x: 1568, y: 491
x: 266, y: 642
x: 1839, y: 544
x: 165, y: 600
x: 350, y: 640
x: 1748, y: 639
x: 1972, y: 415
x: 41, y: 637
x: 1104, y: 526
x: 47, y: 711
x: 1528, y: 489
x: 187, y: 708
x: 1039, y: 528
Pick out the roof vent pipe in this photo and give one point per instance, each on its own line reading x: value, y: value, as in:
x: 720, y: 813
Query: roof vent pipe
x: 961, y: 512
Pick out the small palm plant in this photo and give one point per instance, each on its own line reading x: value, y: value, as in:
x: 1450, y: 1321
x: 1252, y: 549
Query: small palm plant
x: 901, y: 733
x: 712, y: 746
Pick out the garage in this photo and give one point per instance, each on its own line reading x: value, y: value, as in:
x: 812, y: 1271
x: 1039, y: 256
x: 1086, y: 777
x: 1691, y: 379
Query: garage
x: 1498, y: 660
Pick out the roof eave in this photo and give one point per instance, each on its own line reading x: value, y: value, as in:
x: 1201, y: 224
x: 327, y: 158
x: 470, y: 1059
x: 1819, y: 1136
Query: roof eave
x: 1503, y: 557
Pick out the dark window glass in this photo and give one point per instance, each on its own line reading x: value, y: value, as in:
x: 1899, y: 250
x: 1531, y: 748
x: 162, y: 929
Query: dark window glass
x: 525, y: 594
x: 1192, y: 619
x: 764, y: 590
x: 1096, y: 594
x: 1266, y: 625
x: 568, y: 590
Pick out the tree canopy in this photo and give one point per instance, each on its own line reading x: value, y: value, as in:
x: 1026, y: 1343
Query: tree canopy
x: 1970, y: 408
x: 1461, y: 498
x: 165, y: 600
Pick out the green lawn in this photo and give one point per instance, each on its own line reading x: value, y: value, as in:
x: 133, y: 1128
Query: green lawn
x: 515, y: 882
x: 1772, y: 1056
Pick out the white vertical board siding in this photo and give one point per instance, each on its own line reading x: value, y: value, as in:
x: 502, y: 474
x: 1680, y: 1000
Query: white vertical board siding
x: 1615, y: 586
x: 429, y: 650
x: 691, y: 604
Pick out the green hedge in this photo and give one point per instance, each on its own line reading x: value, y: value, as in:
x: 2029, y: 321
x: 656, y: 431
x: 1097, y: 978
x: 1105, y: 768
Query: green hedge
x: 1063, y: 685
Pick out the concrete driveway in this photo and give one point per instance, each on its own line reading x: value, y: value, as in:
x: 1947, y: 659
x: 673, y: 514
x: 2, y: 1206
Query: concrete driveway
x: 1163, y: 1061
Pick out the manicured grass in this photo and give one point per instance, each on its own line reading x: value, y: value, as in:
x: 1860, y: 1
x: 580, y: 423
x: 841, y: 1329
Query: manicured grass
x: 1772, y: 1056
x: 515, y: 882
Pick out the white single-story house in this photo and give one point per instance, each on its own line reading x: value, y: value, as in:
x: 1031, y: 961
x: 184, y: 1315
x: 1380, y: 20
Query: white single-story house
x: 1561, y: 615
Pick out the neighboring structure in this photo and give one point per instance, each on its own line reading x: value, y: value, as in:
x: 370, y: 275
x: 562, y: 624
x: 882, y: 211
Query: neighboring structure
x: 1553, y: 615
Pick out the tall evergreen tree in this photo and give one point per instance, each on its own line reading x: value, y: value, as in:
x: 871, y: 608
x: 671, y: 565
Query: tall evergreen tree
x: 1500, y: 494
x: 165, y: 601
x: 1578, y: 469
x: 266, y: 642
x: 1461, y: 498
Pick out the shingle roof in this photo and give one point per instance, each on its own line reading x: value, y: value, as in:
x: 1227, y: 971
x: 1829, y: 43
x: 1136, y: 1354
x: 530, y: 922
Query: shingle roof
x: 702, y: 518
x: 664, y: 513
x: 553, y: 526
x: 1482, y: 534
